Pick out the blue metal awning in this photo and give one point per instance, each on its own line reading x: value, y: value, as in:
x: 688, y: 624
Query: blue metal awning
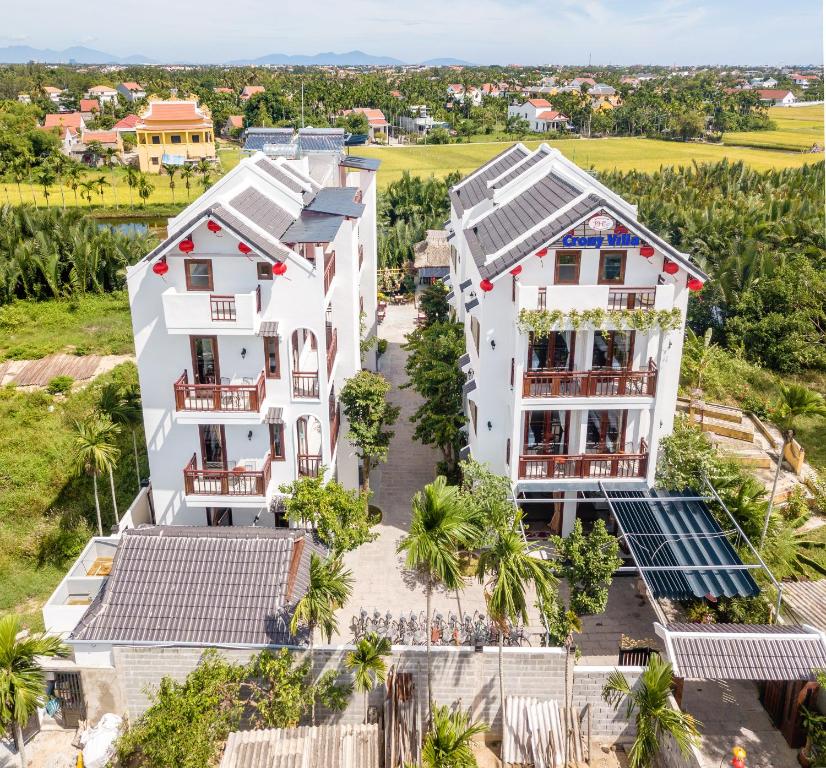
x: 678, y: 546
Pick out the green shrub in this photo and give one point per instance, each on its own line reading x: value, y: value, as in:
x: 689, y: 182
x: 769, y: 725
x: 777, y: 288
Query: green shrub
x: 60, y: 385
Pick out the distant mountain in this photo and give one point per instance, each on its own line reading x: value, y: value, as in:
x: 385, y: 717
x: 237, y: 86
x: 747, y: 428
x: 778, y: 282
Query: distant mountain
x: 448, y: 62
x: 352, y: 58
x: 20, y: 54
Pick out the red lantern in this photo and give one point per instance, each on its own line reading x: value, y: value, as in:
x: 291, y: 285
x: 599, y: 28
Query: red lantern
x: 186, y: 246
x: 695, y: 284
x: 738, y: 763
x: 244, y: 248
x: 160, y: 268
x: 670, y: 267
x: 647, y: 251
x: 213, y: 226
x: 542, y: 253
x: 517, y: 270
x: 486, y: 285
x: 279, y: 268
x: 620, y: 229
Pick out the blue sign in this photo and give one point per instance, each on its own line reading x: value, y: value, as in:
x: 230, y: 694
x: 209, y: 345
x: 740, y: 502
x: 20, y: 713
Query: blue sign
x: 626, y: 240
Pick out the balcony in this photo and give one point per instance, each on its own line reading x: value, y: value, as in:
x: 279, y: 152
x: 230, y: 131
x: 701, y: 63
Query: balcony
x: 611, y: 382
x: 305, y: 385
x: 332, y: 348
x: 566, y: 298
x: 246, y: 479
x: 329, y: 270
x: 541, y: 466
x: 309, y: 465
x: 631, y: 298
x: 199, y: 312
x: 223, y: 398
x: 335, y: 422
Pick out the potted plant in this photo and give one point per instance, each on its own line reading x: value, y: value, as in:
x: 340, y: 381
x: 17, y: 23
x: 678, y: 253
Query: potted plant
x: 813, y: 754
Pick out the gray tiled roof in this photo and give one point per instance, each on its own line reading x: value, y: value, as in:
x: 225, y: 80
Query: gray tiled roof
x: 287, y: 179
x: 541, y: 153
x: 323, y: 746
x: 745, y: 651
x: 268, y: 328
x: 262, y: 212
x: 337, y: 200
x: 246, y: 233
x: 468, y: 193
x: 256, y: 138
x: 362, y: 163
x: 807, y: 601
x: 321, y: 139
x: 313, y: 228
x: 186, y: 584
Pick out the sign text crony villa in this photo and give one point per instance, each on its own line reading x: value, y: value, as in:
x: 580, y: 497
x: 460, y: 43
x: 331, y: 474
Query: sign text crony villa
x: 625, y: 240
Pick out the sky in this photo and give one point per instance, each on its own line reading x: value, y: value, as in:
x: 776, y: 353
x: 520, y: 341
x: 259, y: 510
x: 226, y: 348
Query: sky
x: 480, y: 31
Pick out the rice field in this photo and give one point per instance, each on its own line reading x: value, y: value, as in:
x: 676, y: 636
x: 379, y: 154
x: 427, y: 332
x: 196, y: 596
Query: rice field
x: 798, y: 128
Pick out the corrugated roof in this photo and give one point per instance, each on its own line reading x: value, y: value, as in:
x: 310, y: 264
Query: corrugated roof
x: 312, y: 227
x: 321, y: 139
x: 262, y: 212
x: 807, y: 601
x: 473, y: 189
x: 323, y: 746
x: 337, y: 200
x: 744, y: 651
x: 680, y: 533
x: 187, y: 584
x: 256, y: 138
x: 362, y: 163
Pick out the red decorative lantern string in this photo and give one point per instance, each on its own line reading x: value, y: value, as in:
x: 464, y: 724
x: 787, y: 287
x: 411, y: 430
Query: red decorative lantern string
x: 186, y: 246
x: 213, y: 226
x: 486, y: 285
x: 542, y: 253
x: 517, y: 270
x: 695, y: 284
x: 279, y: 268
x: 670, y: 267
x: 160, y: 268
x: 647, y: 251
x: 620, y: 229
x: 244, y: 248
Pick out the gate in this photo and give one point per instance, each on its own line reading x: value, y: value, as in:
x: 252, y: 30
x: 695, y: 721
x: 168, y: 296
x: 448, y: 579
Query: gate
x: 783, y: 700
x: 69, y: 692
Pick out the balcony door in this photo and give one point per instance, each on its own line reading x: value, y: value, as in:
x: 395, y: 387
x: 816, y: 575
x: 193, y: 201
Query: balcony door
x: 213, y: 446
x: 552, y: 353
x: 605, y: 431
x: 205, y: 368
x: 546, y: 432
x: 613, y: 349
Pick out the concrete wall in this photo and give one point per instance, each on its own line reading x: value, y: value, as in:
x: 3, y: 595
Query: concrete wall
x: 607, y: 724
x: 670, y: 755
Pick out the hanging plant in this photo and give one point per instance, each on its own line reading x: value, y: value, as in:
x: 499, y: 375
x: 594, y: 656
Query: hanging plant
x: 541, y: 322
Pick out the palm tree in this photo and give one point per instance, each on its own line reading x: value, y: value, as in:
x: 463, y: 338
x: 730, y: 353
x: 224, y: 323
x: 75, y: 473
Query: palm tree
x: 439, y: 527
x: 655, y: 717
x: 22, y: 682
x: 145, y: 188
x: 795, y: 402
x: 171, y: 170
x: 187, y: 171
x: 95, y: 453
x: 132, y: 181
x: 45, y: 176
x: 100, y: 182
x: 329, y: 588
x: 19, y: 172
x: 204, y: 167
x: 87, y: 190
x: 59, y: 163
x: 507, y: 566
x: 447, y: 744
x: 72, y: 176
x: 368, y: 663
x: 123, y: 406
x: 109, y: 155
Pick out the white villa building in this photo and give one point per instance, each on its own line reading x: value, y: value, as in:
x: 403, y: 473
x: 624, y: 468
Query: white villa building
x: 247, y: 321
x: 588, y: 397
x: 541, y: 116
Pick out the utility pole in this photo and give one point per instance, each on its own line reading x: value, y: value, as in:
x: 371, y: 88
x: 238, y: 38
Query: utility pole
x: 302, y: 103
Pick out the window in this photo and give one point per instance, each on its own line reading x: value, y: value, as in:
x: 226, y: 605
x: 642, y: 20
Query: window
x: 208, y: 136
x: 196, y: 138
x: 566, y: 271
x: 264, y: 270
x: 277, y: 442
x: 218, y: 516
x: 175, y: 138
x: 508, y: 452
x: 474, y: 414
x: 198, y: 274
x: 605, y: 431
x: 155, y: 161
x: 272, y: 359
x: 156, y: 139
x: 613, y: 349
x: 611, y: 267
x: 474, y: 331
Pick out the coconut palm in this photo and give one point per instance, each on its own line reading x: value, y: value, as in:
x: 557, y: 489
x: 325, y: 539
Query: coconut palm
x: 94, y: 453
x: 439, y: 527
x: 329, y: 588
x: 20, y: 170
x: 87, y: 188
x: 59, y: 164
x: 123, y: 406
x: 655, y: 717
x: 171, y: 170
x: 72, y: 177
x: 109, y: 155
x: 795, y: 402
x: 100, y: 182
x: 145, y: 188
x: 187, y: 172
x: 22, y: 682
x: 45, y: 177
x: 447, y: 744
x: 132, y: 181
x: 367, y: 663
x: 204, y: 167
x: 507, y: 567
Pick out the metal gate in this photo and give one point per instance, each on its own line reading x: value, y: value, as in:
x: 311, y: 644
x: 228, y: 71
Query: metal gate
x: 69, y: 692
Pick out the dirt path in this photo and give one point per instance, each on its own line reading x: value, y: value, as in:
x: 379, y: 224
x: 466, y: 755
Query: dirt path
x: 36, y: 374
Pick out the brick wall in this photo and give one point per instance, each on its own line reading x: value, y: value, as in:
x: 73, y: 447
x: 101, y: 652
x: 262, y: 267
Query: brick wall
x: 607, y: 724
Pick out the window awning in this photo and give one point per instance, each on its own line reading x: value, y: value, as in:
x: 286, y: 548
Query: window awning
x: 743, y: 651
x: 274, y: 416
x: 268, y: 328
x: 678, y: 546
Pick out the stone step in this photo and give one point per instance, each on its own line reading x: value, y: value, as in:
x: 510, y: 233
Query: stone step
x: 715, y: 411
x: 743, y: 431
x: 756, y: 459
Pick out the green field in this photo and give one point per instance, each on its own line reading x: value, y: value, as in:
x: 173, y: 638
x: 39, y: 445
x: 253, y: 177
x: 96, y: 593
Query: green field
x: 798, y: 128
x: 624, y: 154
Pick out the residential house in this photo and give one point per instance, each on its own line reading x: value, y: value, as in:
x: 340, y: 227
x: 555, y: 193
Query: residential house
x: 24, y: 98
x: 541, y: 116
x: 175, y: 131
x: 68, y: 126
x: 561, y: 411
x: 634, y: 82
x: 474, y: 95
x: 53, y: 94
x: 227, y: 91
x: 431, y: 257
x: 131, y: 91
x: 769, y: 82
x: 270, y: 141
x: 396, y: 94
x: 778, y: 97
x: 89, y: 108
x: 110, y: 139
x: 456, y: 91
x: 233, y: 125
x: 247, y: 322
x: 802, y: 81
x: 578, y: 82
x: 420, y: 120
x: 126, y: 124
x: 250, y: 90
x: 376, y: 121
x: 103, y: 93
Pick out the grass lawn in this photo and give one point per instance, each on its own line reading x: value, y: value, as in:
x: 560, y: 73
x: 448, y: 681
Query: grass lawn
x: 46, y: 510
x: 93, y: 324
x: 798, y: 128
x: 602, y: 154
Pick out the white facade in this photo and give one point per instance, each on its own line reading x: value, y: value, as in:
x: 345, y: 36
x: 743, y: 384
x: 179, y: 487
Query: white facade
x: 587, y: 404
x: 102, y: 93
x: 257, y: 359
x: 541, y: 116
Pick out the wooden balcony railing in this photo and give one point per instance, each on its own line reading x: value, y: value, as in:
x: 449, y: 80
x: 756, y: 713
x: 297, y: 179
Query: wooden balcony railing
x: 222, y: 307
x: 611, y: 382
x: 329, y: 270
x: 219, y: 397
x: 332, y: 348
x: 309, y: 465
x: 305, y: 384
x: 631, y: 298
x: 587, y: 465
x: 335, y: 421
x: 226, y: 482
x: 361, y: 254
